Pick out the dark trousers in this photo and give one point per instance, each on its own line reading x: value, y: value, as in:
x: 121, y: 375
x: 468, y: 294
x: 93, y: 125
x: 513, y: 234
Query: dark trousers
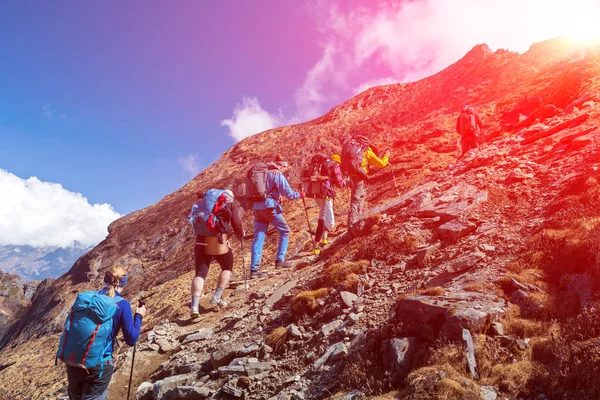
x: 87, y: 384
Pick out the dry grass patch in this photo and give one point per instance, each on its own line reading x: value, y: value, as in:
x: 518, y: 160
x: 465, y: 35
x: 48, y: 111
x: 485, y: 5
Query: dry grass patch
x: 307, y: 302
x: 339, y: 273
x: 425, y: 383
x: 521, y: 327
x: 511, y: 378
x: 276, y: 338
x: 434, y: 291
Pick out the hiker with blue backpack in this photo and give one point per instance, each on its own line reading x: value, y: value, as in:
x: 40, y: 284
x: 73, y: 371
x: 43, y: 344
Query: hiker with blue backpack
x: 90, y: 332
x: 265, y: 186
x: 212, y: 218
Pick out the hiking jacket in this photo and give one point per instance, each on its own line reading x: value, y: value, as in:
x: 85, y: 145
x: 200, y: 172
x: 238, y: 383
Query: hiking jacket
x: 478, y: 125
x: 277, y: 187
x: 371, y: 159
x: 122, y: 320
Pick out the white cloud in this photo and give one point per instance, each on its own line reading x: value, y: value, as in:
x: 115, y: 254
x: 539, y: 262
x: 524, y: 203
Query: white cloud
x: 248, y: 119
x: 190, y: 164
x: 47, y: 111
x: 406, y: 41
x: 39, y: 213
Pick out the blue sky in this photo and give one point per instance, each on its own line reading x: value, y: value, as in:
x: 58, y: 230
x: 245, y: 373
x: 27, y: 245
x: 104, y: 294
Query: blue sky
x: 105, y: 100
x: 124, y: 102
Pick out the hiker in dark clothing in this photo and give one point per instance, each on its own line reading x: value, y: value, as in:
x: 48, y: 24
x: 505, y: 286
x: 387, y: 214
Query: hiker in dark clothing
x: 469, y: 127
x: 92, y: 383
x: 270, y: 211
x: 209, y: 247
x: 357, y: 156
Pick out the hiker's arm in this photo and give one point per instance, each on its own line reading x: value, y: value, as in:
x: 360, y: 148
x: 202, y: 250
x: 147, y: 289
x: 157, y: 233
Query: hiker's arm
x: 129, y: 325
x: 236, y: 219
x: 375, y: 161
x: 478, y: 120
x: 285, y: 189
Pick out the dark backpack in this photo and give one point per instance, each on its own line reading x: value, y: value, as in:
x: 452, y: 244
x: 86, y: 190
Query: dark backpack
x: 206, y: 215
x: 468, y: 124
x: 315, y: 176
x: 256, y: 182
x: 335, y: 174
x: 353, y: 153
x: 85, y: 338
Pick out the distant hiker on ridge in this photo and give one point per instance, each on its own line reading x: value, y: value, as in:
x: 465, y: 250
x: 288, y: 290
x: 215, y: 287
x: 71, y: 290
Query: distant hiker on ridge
x: 265, y: 185
x: 86, y: 346
x: 357, y: 155
x: 212, y: 218
x: 320, y: 180
x: 469, y: 127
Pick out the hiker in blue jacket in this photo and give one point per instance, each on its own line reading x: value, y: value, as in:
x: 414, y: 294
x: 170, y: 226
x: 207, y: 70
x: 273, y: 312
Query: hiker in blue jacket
x: 269, y: 211
x: 92, y: 383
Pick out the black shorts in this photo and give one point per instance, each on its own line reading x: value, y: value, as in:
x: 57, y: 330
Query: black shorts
x: 202, y: 260
x: 88, y: 384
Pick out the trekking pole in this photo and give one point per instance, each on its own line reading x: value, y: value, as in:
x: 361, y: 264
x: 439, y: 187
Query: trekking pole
x: 395, y: 182
x: 244, y: 267
x: 140, y: 304
x: 308, y: 222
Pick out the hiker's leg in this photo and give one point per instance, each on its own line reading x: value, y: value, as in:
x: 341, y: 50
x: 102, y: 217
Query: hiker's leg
x: 260, y: 231
x: 97, y: 388
x: 361, y: 193
x: 328, y: 215
x: 320, y: 226
x: 353, y: 207
x: 75, y: 379
x: 226, y: 263
x: 201, y: 261
x: 283, y: 228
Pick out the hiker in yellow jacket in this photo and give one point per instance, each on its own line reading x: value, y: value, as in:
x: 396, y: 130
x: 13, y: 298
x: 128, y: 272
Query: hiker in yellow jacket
x: 357, y: 156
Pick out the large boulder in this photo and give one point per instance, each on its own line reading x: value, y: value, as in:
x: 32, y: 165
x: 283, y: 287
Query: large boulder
x: 399, y: 354
x: 430, y: 317
x: 164, y: 385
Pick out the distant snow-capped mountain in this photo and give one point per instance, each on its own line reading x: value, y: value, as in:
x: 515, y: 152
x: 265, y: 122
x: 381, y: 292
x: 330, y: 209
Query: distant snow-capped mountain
x: 37, y: 263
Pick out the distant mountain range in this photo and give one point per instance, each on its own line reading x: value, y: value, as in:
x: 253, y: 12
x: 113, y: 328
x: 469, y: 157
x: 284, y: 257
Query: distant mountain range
x: 38, y: 263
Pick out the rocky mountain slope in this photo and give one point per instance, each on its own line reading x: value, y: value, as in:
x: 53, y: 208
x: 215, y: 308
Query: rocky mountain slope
x: 37, y: 263
x: 473, y: 278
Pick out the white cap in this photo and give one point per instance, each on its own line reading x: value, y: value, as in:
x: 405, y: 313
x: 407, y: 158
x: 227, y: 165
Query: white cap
x: 231, y: 196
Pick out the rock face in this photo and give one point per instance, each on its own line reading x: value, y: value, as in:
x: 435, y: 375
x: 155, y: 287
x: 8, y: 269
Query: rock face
x: 441, y: 230
x: 447, y: 315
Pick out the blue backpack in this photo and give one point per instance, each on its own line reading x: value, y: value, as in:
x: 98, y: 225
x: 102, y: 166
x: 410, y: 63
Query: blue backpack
x: 85, y: 338
x: 205, y: 214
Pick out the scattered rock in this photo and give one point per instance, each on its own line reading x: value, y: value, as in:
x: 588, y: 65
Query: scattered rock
x: 464, y: 262
x: 335, y: 352
x: 426, y: 254
x: 202, y: 334
x: 187, y: 393
x: 496, y: 329
x: 231, y: 390
x: 225, y: 354
x: 328, y: 329
x: 446, y: 315
x: 164, y: 385
x: 145, y: 391
x: 348, y: 299
x: 294, y: 332
x: 164, y: 344
x: 400, y: 353
x: 471, y: 363
x: 455, y: 229
x: 488, y: 393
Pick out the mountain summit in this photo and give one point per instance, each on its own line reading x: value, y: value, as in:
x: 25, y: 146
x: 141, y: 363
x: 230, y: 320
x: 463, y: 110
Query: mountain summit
x: 474, y: 276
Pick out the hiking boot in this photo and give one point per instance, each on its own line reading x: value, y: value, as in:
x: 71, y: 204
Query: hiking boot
x: 324, y: 241
x: 218, y: 302
x: 316, y: 252
x: 279, y: 264
x: 194, y: 313
x: 258, y: 275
